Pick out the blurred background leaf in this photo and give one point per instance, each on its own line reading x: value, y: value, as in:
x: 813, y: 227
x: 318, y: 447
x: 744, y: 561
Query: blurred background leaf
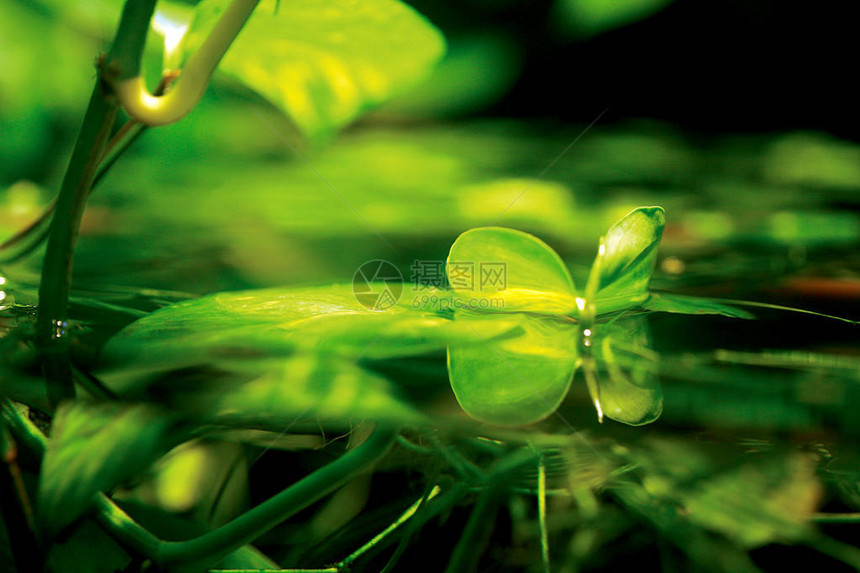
x: 584, y: 18
x: 761, y: 203
x: 93, y: 448
x: 323, y: 63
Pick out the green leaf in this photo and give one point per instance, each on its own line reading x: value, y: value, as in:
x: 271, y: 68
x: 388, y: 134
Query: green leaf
x: 305, y: 386
x: 630, y: 392
x: 479, y: 68
x: 517, y: 379
x: 666, y: 302
x: 270, y: 323
x: 270, y: 356
x: 757, y: 504
x: 323, y: 62
x: 585, y: 18
x: 93, y: 448
x: 626, y: 259
x: 536, y: 279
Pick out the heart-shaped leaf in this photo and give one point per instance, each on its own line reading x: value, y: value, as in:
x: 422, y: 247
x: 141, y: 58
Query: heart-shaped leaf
x: 94, y: 447
x: 323, y: 62
x: 517, y: 379
x: 513, y: 267
x: 625, y: 260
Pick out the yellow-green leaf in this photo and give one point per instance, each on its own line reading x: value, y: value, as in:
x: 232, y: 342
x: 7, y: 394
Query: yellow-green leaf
x: 630, y: 391
x: 518, y: 379
x: 628, y: 251
x: 323, y: 62
x: 513, y: 267
x: 93, y: 448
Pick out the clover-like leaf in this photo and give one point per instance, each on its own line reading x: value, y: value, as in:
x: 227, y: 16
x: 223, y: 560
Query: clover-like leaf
x: 323, y: 62
x: 517, y: 379
x: 535, y: 277
x: 93, y: 448
x: 630, y: 391
x: 628, y: 251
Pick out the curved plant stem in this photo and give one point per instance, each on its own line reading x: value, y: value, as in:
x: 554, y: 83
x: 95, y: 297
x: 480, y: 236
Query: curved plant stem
x: 173, y: 106
x: 209, y: 548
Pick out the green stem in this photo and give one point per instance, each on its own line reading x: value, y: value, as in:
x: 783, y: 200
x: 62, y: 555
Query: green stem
x: 192, y: 82
x: 347, y: 562
x: 836, y: 517
x: 26, y: 434
x: 476, y: 535
x: 28, y: 239
x: 209, y: 548
x: 837, y: 549
x: 541, y: 499
x: 62, y: 236
x: 56, y: 277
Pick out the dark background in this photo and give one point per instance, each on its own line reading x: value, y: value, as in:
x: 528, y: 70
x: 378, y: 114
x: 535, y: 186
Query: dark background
x: 707, y: 65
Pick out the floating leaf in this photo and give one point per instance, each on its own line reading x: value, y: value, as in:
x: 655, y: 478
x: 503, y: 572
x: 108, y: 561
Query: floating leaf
x: 630, y: 392
x: 270, y: 356
x: 517, y: 379
x: 323, y: 62
x: 535, y: 277
x: 93, y: 448
x: 626, y: 259
x: 268, y: 323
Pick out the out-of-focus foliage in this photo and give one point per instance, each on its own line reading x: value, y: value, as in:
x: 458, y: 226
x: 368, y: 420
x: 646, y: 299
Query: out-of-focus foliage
x: 477, y: 70
x: 752, y: 423
x: 585, y: 18
x: 94, y: 448
x: 323, y: 63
